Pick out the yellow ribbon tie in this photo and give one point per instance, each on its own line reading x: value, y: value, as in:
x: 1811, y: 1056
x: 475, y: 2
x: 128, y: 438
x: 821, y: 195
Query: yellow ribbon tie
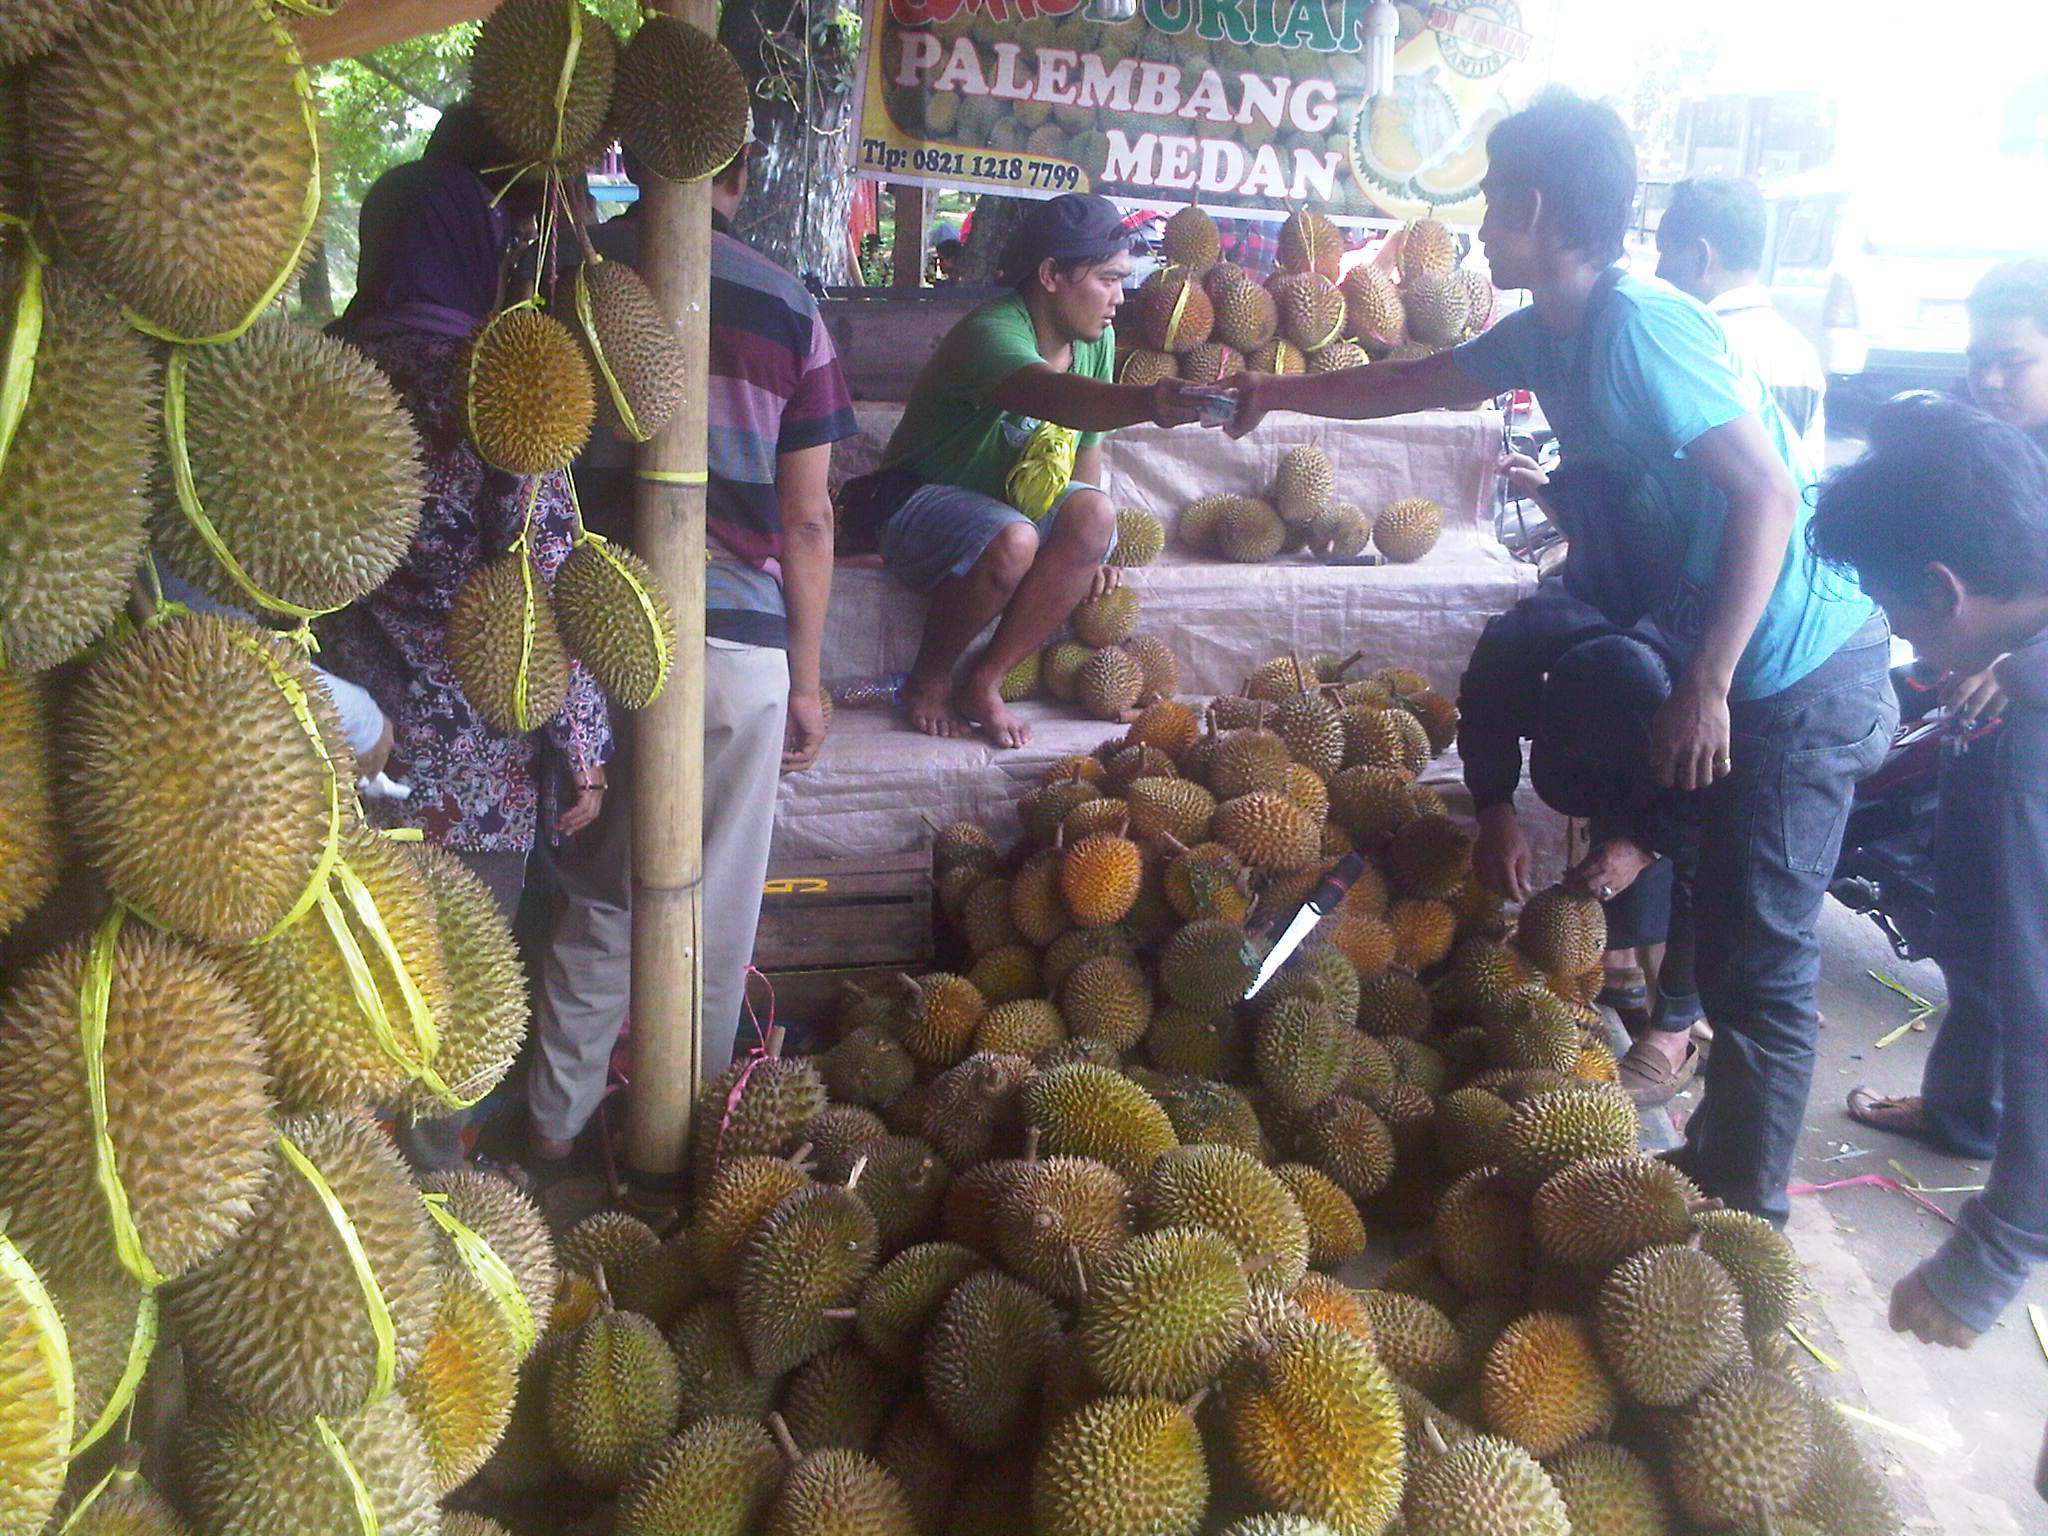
x: 358, y: 1491
x: 568, y: 76
x: 374, y: 1304
x: 95, y: 995
x: 51, y: 1342
x: 141, y: 1345
x: 491, y: 1272
x: 674, y: 476
x: 664, y: 650
x: 78, y: 1511
x: 588, y: 320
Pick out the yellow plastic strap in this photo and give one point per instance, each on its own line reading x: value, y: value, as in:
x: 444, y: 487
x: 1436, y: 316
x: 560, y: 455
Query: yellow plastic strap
x: 568, y: 76
x: 522, y: 704
x: 95, y: 994
x: 370, y: 998
x: 674, y: 476
x: 78, y: 1511
x: 50, y: 1339
x: 1335, y: 331
x: 188, y: 495
x: 309, y: 213
x: 374, y: 1303
x: 364, y: 905
x: 358, y: 1491
x: 588, y: 321
x: 18, y: 372
x: 302, y: 711
x: 1043, y: 469
x: 663, y: 648
x: 141, y: 1345
x: 491, y: 1272
x: 1180, y: 307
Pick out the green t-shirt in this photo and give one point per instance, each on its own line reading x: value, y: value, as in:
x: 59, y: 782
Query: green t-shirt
x: 951, y: 432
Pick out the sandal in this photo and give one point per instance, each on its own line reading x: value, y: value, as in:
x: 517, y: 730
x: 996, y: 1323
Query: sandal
x: 1901, y: 1116
x: 1651, y: 1079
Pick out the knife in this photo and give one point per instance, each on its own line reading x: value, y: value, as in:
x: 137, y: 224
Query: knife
x: 1322, y: 901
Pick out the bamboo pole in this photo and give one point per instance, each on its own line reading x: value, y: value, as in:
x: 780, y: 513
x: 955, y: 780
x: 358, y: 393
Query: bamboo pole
x: 668, y: 757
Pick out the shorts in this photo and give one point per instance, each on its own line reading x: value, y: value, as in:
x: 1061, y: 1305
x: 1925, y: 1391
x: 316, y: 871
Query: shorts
x: 943, y: 529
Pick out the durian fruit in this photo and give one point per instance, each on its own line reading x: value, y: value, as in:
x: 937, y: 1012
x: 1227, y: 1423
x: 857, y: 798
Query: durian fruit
x: 1311, y: 310
x: 776, y: 1099
x: 304, y: 462
x: 1209, y: 362
x: 1198, y: 521
x: 525, y: 388
x: 460, y: 1522
x: 72, y: 512
x: 925, y: 1461
x: 1315, y: 1426
x: 835, y: 1493
x: 608, y: 1241
x: 802, y: 1268
x: 1429, y: 858
x: 1309, y: 242
x: 1339, y: 532
x: 1482, y: 1486
x: 320, y: 1044
x: 1176, y: 808
x: 1163, y: 1312
x: 107, y: 1315
x: 1247, y: 318
x: 1369, y: 801
x: 1600, y: 1210
x: 1562, y: 932
x: 1106, y: 998
x: 1437, y: 310
x: 1158, y: 665
x: 186, y: 1099
x: 1208, y: 881
x: 1743, y: 1449
x: 524, y: 1461
x: 279, y: 1323
x: 1423, y: 933
x: 253, y: 1475
x: 898, y: 1303
x: 1844, y: 1494
x: 32, y: 27
x: 1036, y: 906
x: 1313, y: 730
x: 1480, y: 1235
x: 615, y: 618
x: 1428, y: 250
x: 713, y: 1370
x: 1608, y: 1490
x: 1279, y: 356
x: 1121, y: 1466
x: 1208, y: 964
x: 124, y: 1506
x: 1336, y: 357
x: 37, y: 1401
x: 944, y: 1010
x: 506, y: 1219
x: 1099, y: 879
x: 1109, y: 684
x: 1248, y: 760
x: 984, y: 1355
x: 1415, y: 1340
x: 1027, y: 1027
x: 1299, y: 1050
x: 716, y: 1478
x: 1229, y: 1192
x: 1336, y: 1233
x: 1189, y: 239
x: 1249, y: 531
x: 1304, y: 484
x: 506, y: 647
x: 839, y: 1398
x: 1670, y: 1320
x: 1142, y: 365
x: 1351, y: 1144
x: 1020, y: 682
x: 1543, y: 1386
x: 1269, y: 832
x: 1140, y: 538
x: 1085, y: 1110
x: 1551, y: 1131
x: 636, y: 353
x: 485, y: 1021
x: 1174, y: 314
x: 199, y: 688
x: 1761, y: 1262
x: 1408, y: 529
x: 901, y: 1186
x: 682, y: 103
x: 613, y: 1395
x: 31, y: 844
x: 461, y: 1389
x: 1372, y: 309
x: 197, y: 229
x: 1107, y: 619
x: 517, y: 72
x: 974, y: 1110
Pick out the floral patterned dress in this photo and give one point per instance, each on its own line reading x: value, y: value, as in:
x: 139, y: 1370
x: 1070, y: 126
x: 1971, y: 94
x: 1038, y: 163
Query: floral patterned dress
x: 475, y: 789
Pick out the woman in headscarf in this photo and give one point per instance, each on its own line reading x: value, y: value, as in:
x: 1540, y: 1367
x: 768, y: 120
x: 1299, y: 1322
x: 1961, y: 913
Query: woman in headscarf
x: 433, y: 247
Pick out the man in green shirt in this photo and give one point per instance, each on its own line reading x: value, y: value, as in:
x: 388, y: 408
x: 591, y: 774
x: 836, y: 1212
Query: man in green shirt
x: 1001, y: 511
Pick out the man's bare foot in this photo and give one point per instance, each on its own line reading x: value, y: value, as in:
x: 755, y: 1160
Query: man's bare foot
x: 1611, y: 868
x: 980, y: 702
x: 929, y: 704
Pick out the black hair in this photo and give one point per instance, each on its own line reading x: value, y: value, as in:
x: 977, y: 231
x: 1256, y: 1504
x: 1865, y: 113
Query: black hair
x: 1725, y: 212
x: 1941, y: 482
x: 949, y: 248
x: 1071, y: 267
x: 2012, y: 290
x: 1579, y: 155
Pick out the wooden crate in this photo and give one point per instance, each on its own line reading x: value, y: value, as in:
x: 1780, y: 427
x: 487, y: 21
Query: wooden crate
x: 827, y: 922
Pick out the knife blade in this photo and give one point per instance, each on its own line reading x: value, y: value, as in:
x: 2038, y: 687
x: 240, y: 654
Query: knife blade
x: 1321, y: 902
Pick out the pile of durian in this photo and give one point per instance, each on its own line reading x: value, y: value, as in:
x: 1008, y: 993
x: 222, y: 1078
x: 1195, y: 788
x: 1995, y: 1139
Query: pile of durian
x: 1068, y: 1241
x: 1201, y: 318
x: 212, y: 971
x: 1300, y: 510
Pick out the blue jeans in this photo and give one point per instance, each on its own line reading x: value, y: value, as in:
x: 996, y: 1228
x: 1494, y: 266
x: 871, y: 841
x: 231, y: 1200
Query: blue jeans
x: 1960, y: 1085
x: 1769, y: 835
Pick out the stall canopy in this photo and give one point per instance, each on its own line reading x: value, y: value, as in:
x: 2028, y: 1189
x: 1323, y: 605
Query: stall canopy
x: 362, y: 25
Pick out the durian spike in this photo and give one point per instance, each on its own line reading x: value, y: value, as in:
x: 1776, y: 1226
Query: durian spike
x: 784, y: 1440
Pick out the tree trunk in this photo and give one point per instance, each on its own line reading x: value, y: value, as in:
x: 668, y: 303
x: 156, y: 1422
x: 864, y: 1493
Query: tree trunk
x: 316, y: 287
x: 996, y: 221
x: 801, y: 190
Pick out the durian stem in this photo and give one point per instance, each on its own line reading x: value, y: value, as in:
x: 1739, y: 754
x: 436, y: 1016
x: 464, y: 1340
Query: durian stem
x: 840, y: 1314
x: 860, y: 1166
x: 784, y: 1440
x: 1701, y: 1207
x: 1080, y: 1271
x: 796, y: 1158
x: 1346, y: 665
x: 604, y: 1292
x: 776, y: 1036
x: 1032, y: 1135
x: 1434, y: 1437
x: 1193, y: 1404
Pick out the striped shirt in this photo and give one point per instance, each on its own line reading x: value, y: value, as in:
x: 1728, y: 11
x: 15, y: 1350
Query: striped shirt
x: 775, y: 388
x: 1782, y: 358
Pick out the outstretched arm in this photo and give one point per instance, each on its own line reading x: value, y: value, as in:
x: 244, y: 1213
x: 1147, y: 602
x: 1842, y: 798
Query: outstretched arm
x: 1093, y: 405
x: 1355, y: 394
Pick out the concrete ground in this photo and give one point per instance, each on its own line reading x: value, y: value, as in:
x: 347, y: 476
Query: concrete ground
x: 1968, y: 1423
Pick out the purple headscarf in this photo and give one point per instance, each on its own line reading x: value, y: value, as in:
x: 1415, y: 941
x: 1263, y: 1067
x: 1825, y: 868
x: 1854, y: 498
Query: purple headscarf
x: 430, y: 253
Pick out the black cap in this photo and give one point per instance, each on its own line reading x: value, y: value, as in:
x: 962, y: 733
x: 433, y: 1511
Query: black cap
x: 1066, y: 228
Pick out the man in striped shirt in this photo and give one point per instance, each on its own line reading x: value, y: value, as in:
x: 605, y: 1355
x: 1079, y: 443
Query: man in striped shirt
x: 1711, y: 245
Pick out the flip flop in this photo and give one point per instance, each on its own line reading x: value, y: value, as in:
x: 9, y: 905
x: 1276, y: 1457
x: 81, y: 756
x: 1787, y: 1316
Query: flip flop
x: 1651, y: 1080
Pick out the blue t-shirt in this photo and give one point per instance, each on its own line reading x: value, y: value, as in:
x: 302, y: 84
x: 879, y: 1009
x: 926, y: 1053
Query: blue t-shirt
x: 1662, y: 374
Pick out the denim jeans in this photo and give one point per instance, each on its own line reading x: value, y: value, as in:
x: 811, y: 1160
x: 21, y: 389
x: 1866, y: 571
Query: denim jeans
x: 1769, y: 835
x: 1960, y: 1084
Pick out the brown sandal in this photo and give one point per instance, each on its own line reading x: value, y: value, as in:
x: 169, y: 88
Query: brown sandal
x: 1651, y: 1080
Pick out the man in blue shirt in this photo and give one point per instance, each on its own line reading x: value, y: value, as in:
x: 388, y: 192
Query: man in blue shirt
x: 1682, y: 494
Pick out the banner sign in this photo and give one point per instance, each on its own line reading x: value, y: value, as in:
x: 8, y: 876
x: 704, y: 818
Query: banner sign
x: 1251, y: 105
